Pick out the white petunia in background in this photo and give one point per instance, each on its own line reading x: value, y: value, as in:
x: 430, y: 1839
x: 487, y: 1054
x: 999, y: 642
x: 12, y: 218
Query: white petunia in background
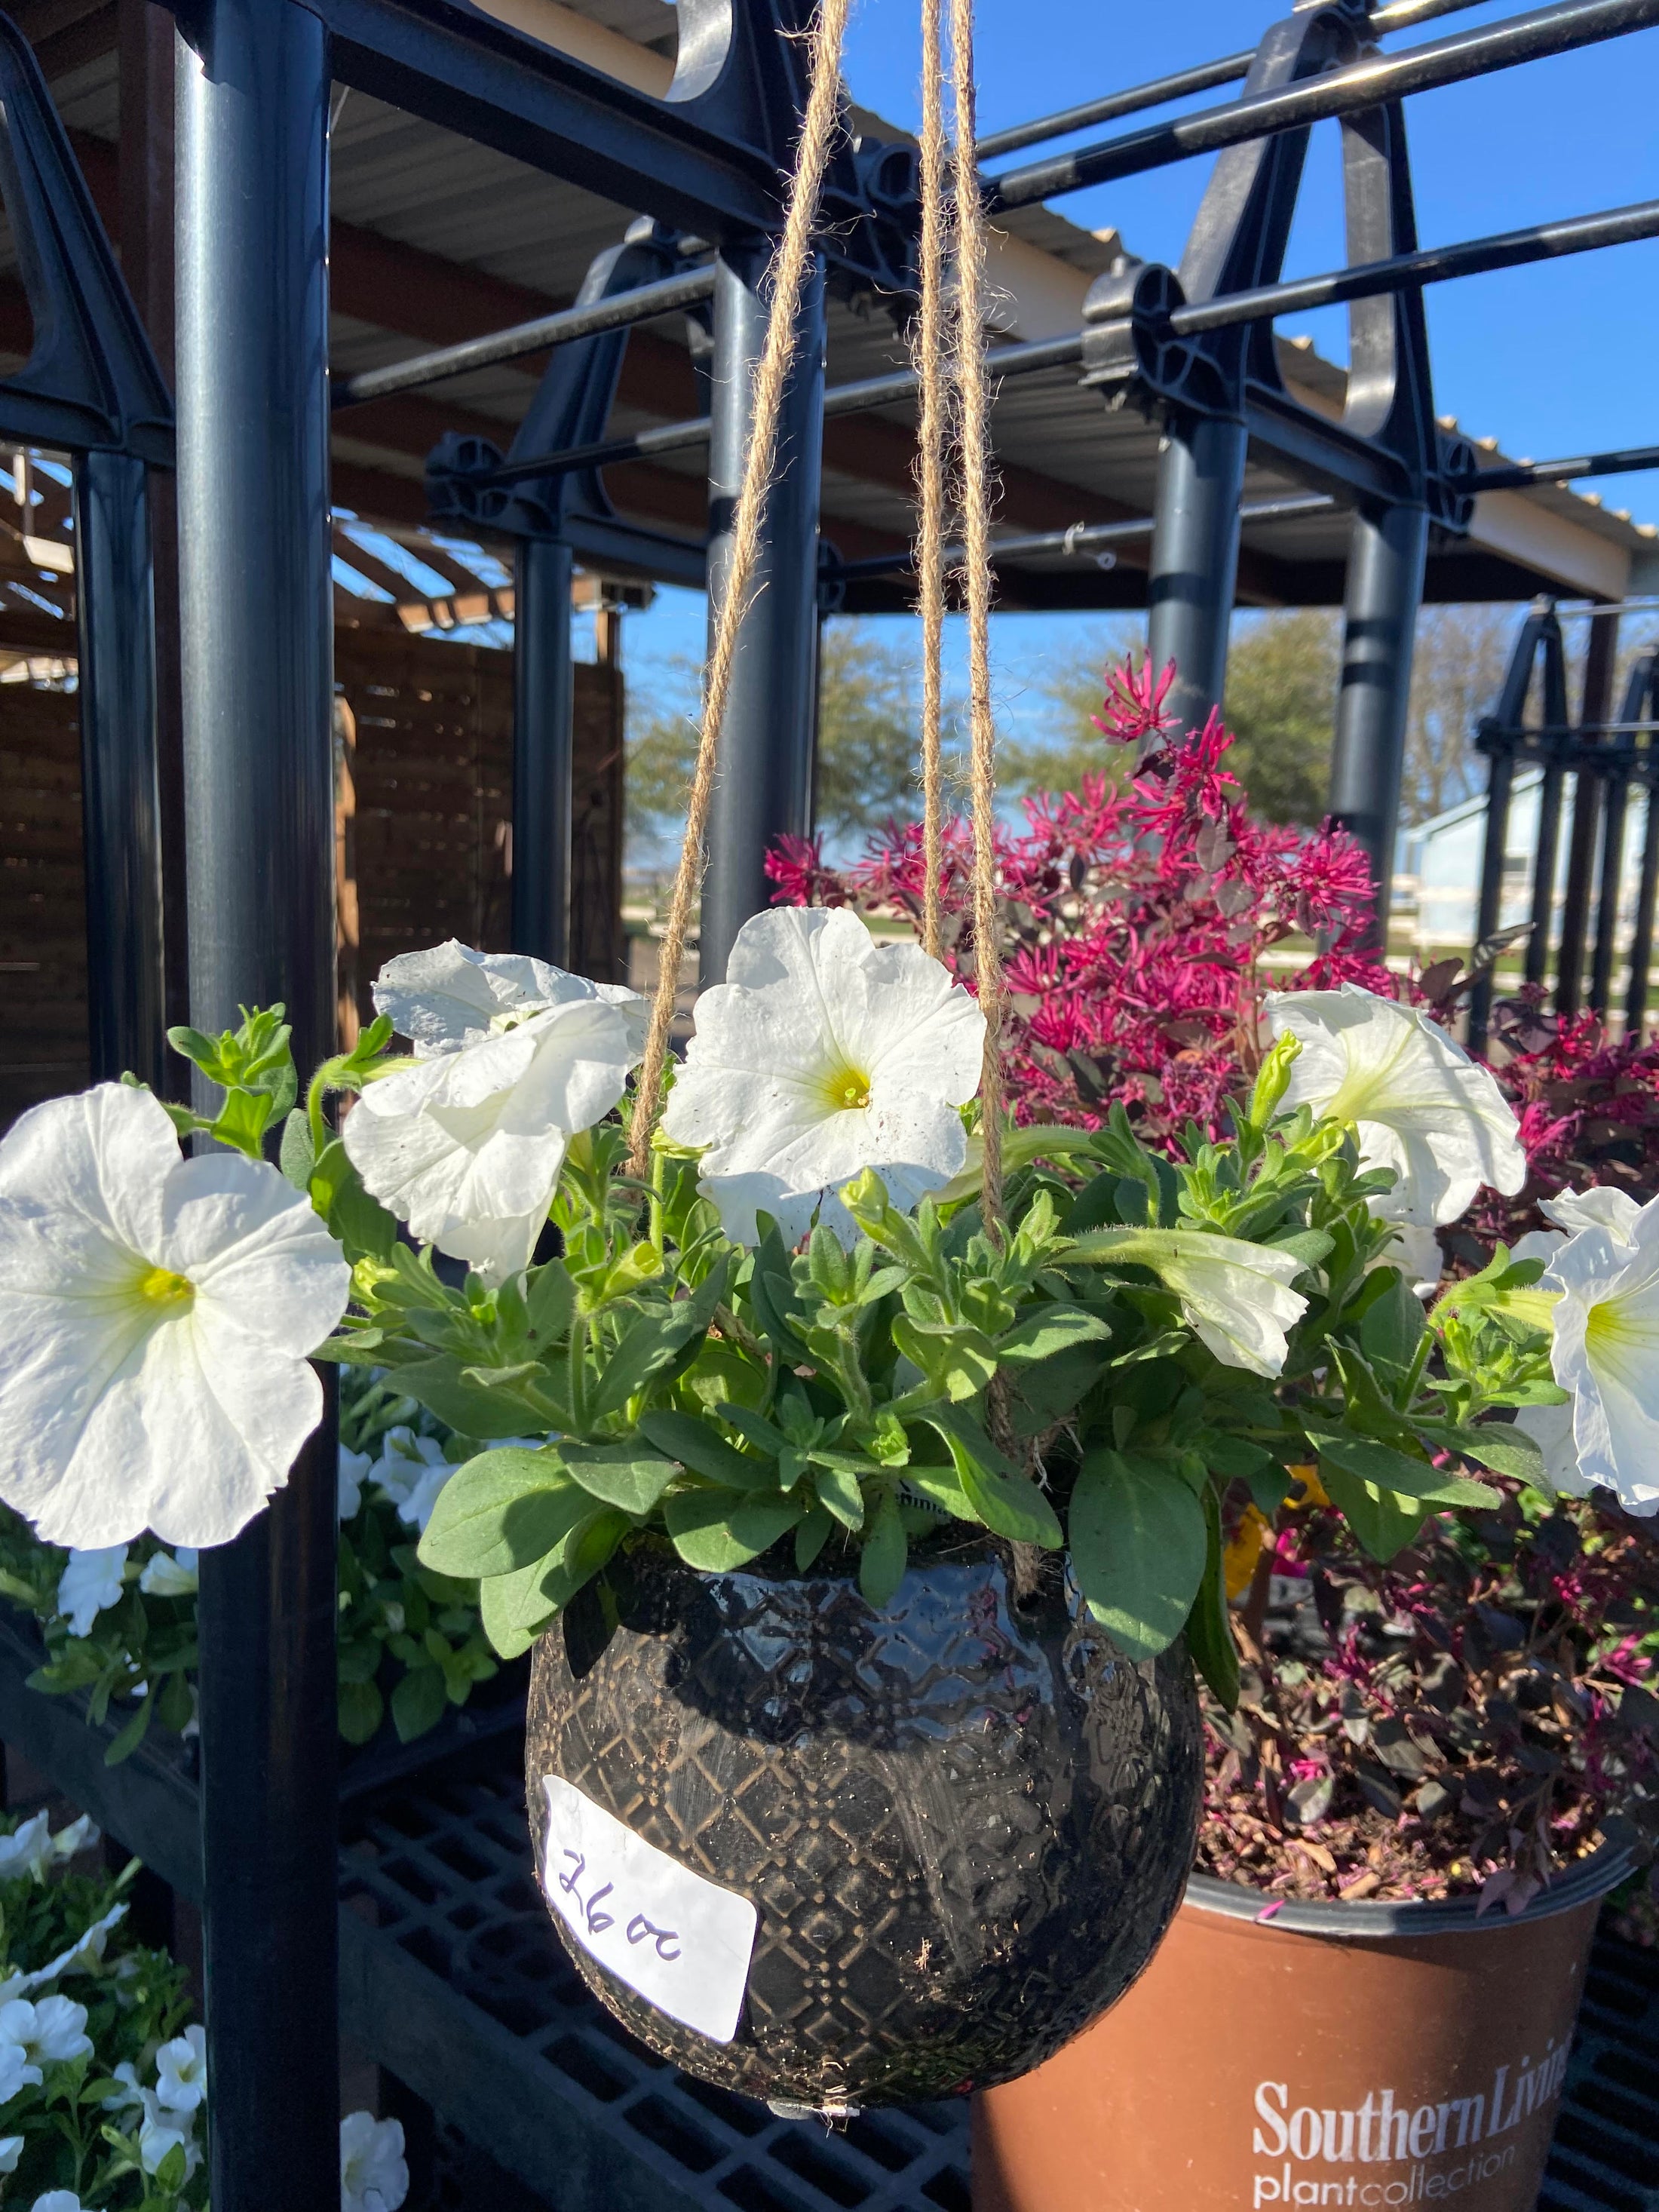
x: 1417, y: 1103
x: 373, y: 2176
x: 31, y: 1850
x: 513, y: 1059
x: 352, y: 1471
x: 411, y: 1473
x: 90, y: 1584
x: 155, y: 1315
x: 823, y: 1053
x: 169, y: 1574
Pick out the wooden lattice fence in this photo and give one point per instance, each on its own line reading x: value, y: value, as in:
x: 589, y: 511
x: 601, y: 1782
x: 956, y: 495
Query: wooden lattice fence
x: 423, y: 734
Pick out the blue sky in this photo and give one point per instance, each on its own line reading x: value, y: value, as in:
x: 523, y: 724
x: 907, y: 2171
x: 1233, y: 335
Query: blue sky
x: 1555, y: 359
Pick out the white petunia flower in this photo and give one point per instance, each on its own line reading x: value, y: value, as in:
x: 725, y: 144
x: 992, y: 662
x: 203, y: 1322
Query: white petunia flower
x: 47, y: 2032
x: 181, y: 2071
x: 161, y: 2133
x: 1605, y: 1349
x: 513, y: 1059
x: 1598, y: 1208
x: 823, y: 1053
x: 155, y: 1314
x: 1417, y: 1254
x: 1418, y: 1103
x: 404, y: 1462
x: 374, y: 2177
x: 84, y: 1956
x: 353, y: 1472
x: 57, y: 2200
x: 16, y: 2074
x: 27, y: 1851
x: 1235, y: 1296
x: 415, y: 1507
x: 167, y: 1574
x: 90, y: 1584
x: 11, y: 2149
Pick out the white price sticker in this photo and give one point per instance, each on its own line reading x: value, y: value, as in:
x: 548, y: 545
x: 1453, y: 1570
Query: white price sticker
x: 680, y: 1942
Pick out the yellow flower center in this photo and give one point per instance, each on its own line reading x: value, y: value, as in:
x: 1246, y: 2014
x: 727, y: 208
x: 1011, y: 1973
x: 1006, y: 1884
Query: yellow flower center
x: 847, y: 1089
x: 1606, y: 1329
x: 163, y: 1288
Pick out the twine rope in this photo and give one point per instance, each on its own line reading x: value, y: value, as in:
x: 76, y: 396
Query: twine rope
x: 973, y: 388
x: 929, y: 349
x: 818, y: 127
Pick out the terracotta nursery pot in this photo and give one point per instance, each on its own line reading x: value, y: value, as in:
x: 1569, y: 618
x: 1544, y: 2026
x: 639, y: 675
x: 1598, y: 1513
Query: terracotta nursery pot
x: 832, y: 1856
x: 1357, y: 2055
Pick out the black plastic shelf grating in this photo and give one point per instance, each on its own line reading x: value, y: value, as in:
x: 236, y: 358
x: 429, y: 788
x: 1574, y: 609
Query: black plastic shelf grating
x: 442, y: 1870
x: 1605, y: 2154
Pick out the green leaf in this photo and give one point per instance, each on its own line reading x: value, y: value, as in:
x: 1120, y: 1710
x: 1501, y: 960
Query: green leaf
x: 957, y: 1362
x: 1384, y: 1521
x: 1004, y: 1501
x: 652, y: 1344
x: 812, y: 1535
x: 418, y: 1702
x: 362, y: 1709
x: 500, y: 1511
x: 439, y: 1385
x: 1138, y: 1543
x: 939, y: 1485
x: 689, y: 1440
x: 1393, y: 1325
x: 882, y: 1561
x: 1499, y: 1445
x: 1209, y: 1625
x: 1385, y: 1469
x: 718, y: 1530
x: 514, y: 1609
x: 1051, y: 1330
x: 623, y: 1474
x: 839, y: 1491
x: 550, y: 1302
x: 297, y: 1158
x: 586, y: 1549
x: 133, y: 1733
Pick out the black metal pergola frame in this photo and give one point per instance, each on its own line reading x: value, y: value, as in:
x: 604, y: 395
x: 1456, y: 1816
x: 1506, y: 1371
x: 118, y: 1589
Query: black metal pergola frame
x: 1192, y: 347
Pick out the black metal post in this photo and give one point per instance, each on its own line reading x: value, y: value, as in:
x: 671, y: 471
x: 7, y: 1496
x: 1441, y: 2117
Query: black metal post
x: 1195, y: 558
x: 1386, y: 554
x: 765, y: 781
x: 121, y: 794
x: 544, y: 708
x: 1489, y: 912
x: 1600, y: 653
x: 1548, y: 847
x: 256, y: 624
x: 1615, y: 802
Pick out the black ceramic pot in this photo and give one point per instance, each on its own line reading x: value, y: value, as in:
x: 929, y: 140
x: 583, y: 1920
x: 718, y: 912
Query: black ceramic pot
x: 964, y: 1822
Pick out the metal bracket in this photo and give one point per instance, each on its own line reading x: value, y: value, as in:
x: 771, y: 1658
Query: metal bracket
x: 1387, y: 448
x: 92, y: 383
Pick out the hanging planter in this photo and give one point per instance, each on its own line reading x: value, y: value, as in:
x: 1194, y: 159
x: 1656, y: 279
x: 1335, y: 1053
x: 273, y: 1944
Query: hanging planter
x: 1362, y: 2054
x: 956, y: 1822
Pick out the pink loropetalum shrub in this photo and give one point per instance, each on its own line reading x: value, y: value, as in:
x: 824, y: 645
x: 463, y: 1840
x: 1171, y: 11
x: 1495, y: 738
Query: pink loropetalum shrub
x: 1139, y: 913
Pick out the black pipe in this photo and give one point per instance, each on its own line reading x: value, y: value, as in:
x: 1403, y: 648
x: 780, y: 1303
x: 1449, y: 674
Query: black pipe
x: 544, y: 709
x: 1432, y: 264
x: 1587, y: 791
x: 764, y: 781
x: 856, y: 398
x: 1082, y: 539
x: 618, y: 312
x: 1385, y: 557
x: 1195, y: 560
x: 1488, y: 913
x: 256, y: 634
x: 121, y: 794
x: 1230, y: 68
x: 1544, y: 867
x: 1514, y: 476
x: 1364, y: 84
x: 1615, y: 802
x: 1641, y: 944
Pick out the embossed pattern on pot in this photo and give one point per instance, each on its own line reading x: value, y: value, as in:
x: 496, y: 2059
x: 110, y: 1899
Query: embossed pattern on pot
x: 965, y: 1823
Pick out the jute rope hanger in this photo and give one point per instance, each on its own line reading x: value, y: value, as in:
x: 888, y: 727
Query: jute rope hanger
x: 941, y: 363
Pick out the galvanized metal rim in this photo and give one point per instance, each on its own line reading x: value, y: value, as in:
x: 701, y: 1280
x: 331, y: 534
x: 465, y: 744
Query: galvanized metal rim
x: 1365, y: 1921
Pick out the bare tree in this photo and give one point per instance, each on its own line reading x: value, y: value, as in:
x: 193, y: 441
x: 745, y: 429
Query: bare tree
x: 1457, y: 671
